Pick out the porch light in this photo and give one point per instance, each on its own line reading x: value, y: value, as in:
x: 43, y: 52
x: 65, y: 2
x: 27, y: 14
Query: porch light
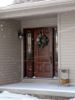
x: 20, y: 34
x: 4, y: 3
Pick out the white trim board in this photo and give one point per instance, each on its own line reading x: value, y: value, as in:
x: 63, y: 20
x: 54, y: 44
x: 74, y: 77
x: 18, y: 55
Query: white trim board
x: 37, y: 8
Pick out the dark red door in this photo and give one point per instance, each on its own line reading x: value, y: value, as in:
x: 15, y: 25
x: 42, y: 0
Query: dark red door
x: 43, y: 57
x: 40, y: 61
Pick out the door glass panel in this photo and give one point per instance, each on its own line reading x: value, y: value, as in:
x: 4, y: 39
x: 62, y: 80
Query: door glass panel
x: 56, y: 53
x: 29, y: 46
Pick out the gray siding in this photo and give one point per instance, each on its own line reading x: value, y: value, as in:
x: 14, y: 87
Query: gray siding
x: 10, y: 52
x: 39, y: 22
x: 67, y: 42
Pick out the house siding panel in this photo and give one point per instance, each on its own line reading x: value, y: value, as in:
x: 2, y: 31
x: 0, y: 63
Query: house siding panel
x: 39, y: 22
x: 66, y: 31
x: 10, y: 56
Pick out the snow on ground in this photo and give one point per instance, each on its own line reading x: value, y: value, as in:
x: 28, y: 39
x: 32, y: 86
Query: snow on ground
x: 12, y: 96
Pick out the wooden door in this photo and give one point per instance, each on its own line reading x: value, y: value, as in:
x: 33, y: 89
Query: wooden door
x: 39, y: 62
x: 43, y: 57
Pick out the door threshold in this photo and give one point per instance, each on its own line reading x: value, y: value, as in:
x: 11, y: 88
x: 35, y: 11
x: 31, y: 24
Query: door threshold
x: 41, y: 80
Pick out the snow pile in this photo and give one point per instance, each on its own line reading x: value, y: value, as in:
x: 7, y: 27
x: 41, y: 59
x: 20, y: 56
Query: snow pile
x: 12, y: 96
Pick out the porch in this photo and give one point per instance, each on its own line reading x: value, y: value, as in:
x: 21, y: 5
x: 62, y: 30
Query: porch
x: 11, y: 49
x: 41, y: 90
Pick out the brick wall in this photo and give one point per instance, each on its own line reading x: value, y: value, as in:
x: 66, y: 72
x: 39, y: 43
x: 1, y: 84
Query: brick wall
x: 10, y: 52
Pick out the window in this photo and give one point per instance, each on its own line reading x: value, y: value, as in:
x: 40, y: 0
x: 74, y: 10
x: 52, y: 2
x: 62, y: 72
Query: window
x: 40, y: 58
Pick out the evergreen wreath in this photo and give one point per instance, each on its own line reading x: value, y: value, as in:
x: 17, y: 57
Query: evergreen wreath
x: 42, y: 40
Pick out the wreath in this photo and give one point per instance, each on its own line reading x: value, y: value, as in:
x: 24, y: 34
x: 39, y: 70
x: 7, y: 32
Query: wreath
x: 42, y: 40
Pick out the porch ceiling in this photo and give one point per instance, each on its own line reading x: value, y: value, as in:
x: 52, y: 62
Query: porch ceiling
x: 37, y: 8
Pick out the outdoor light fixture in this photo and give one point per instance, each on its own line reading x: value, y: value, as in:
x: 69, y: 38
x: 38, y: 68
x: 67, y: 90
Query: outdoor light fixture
x: 20, y: 34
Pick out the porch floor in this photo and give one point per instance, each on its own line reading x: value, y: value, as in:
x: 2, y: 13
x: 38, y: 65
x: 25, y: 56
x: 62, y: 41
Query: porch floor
x: 40, y: 89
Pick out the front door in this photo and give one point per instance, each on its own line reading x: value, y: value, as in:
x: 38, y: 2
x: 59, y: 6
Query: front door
x: 43, y: 56
x: 40, y: 62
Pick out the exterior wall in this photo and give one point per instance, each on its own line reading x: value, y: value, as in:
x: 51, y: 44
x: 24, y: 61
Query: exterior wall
x: 39, y: 22
x: 10, y: 48
x: 66, y: 29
